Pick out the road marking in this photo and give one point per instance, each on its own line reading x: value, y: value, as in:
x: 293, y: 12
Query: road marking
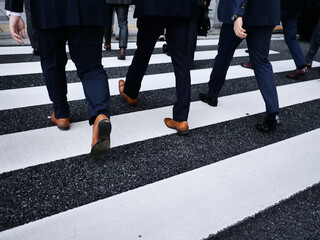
x: 33, y: 96
x: 29, y: 148
x: 11, y: 69
x: 191, y: 205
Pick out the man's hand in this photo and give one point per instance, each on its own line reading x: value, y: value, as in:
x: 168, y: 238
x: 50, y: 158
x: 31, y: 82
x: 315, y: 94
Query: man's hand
x: 238, y: 30
x: 17, y: 28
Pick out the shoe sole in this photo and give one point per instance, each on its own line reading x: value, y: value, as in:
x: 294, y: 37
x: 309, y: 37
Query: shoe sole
x: 297, y: 77
x: 208, y: 102
x: 103, y: 143
x: 182, y: 132
x: 63, y: 128
x: 179, y: 131
x: 247, y: 67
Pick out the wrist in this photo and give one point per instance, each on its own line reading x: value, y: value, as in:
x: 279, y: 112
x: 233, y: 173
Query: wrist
x: 235, y: 17
x: 10, y: 13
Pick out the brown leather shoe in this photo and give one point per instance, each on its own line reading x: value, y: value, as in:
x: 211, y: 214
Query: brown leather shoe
x: 297, y: 73
x: 122, y: 54
x: 181, y: 127
x: 100, y: 135
x: 246, y: 65
x: 62, y: 123
x: 131, y: 101
x: 308, y: 65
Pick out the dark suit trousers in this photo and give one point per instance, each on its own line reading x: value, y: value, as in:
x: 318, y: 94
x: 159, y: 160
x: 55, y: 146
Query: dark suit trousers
x: 258, y: 41
x: 85, y: 51
x: 32, y: 32
x: 193, y: 34
x: 149, y: 30
x: 289, y: 24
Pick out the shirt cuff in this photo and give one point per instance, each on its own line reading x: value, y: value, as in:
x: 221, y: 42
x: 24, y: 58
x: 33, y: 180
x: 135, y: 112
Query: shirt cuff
x: 13, y: 13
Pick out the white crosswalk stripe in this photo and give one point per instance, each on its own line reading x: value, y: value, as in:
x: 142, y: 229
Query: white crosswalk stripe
x: 8, y: 69
x: 190, y: 205
x: 25, y: 97
x: 131, y: 45
x: 47, y: 141
x: 171, y: 208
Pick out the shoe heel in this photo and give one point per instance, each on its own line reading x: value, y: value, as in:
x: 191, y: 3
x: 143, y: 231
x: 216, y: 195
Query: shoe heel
x: 104, y: 129
x: 103, y: 143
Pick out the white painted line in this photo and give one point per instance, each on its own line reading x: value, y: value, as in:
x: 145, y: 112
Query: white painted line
x: 33, y: 96
x: 191, y: 205
x: 29, y: 148
x: 9, y: 69
x: 16, y: 50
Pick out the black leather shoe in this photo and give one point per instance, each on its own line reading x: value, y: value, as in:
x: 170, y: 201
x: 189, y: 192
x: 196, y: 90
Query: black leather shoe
x: 278, y: 119
x: 36, y: 52
x: 270, y: 123
x: 204, y: 97
x: 122, y: 54
x: 165, y: 49
x: 107, y: 47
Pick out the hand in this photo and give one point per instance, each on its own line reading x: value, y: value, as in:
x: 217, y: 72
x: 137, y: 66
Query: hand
x: 238, y: 30
x: 17, y: 28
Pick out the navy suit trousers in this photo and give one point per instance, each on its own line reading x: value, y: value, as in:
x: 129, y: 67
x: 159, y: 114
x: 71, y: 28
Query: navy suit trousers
x: 289, y: 24
x: 149, y: 30
x: 85, y: 45
x: 258, y: 41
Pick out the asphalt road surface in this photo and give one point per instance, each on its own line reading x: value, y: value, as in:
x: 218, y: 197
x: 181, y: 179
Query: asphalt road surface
x: 224, y: 180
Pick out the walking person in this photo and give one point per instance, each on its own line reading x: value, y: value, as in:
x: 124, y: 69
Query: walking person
x: 290, y: 12
x: 253, y: 20
x: 153, y: 17
x: 121, y: 8
x: 84, y: 33
x: 315, y: 38
x: 314, y: 45
x: 202, y: 6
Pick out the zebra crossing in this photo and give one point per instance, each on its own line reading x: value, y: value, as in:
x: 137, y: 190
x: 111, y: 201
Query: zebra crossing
x: 154, y: 184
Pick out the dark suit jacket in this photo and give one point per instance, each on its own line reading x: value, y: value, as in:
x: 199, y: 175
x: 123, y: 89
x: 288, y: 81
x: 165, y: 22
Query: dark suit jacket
x: 254, y: 12
x: 165, y: 8
x: 200, y: 2
x: 48, y: 14
x: 293, y: 6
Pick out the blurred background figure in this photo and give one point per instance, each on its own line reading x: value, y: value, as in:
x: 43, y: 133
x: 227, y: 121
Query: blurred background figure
x: 290, y: 12
x: 315, y: 38
x: 199, y: 25
x: 121, y: 8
